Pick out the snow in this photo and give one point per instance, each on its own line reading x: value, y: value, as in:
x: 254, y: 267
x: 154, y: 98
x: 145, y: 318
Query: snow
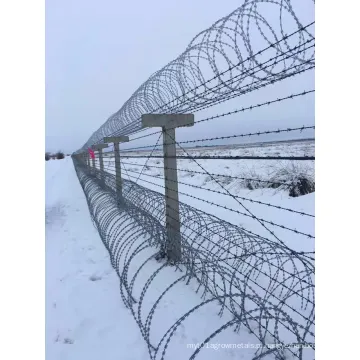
x: 85, y: 317
x: 152, y: 178
x: 85, y: 314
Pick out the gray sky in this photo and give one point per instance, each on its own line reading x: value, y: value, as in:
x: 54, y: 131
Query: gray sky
x: 99, y: 53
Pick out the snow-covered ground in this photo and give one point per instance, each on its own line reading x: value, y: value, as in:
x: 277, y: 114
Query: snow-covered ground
x: 85, y: 316
x: 193, y: 187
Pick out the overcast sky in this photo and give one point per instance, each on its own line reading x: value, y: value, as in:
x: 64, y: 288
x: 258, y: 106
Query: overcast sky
x: 99, y: 52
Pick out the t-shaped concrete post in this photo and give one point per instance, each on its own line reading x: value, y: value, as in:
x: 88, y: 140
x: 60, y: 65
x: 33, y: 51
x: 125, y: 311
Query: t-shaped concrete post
x: 87, y: 159
x: 93, y: 162
x: 84, y: 158
x: 99, y: 148
x: 168, y: 123
x: 117, y: 140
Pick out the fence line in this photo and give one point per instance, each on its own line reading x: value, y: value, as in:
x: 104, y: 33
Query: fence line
x: 181, y: 86
x: 278, y: 131
x: 245, y: 273
x: 261, y: 280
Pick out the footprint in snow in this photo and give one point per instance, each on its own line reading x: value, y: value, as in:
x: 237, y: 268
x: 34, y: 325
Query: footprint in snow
x: 68, y: 341
x: 95, y: 278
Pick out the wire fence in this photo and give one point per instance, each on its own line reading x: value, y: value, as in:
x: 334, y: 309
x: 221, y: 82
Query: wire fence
x: 267, y: 287
x: 252, y: 258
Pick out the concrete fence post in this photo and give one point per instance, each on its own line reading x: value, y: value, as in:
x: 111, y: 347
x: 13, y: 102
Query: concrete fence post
x: 117, y: 140
x: 99, y: 148
x: 168, y: 123
x: 93, y: 162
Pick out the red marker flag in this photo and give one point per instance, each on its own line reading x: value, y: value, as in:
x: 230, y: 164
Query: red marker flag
x: 91, y: 153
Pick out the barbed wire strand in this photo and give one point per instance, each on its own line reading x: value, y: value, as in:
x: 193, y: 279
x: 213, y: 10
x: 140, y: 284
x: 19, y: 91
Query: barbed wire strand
x: 258, y: 133
x: 240, y: 197
x: 234, y: 66
x: 225, y: 207
x: 240, y: 203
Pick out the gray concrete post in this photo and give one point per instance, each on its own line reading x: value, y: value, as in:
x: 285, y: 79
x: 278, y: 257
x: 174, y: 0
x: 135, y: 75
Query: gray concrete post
x: 168, y: 123
x: 101, y: 160
x: 99, y: 148
x: 93, y: 163
x: 117, y: 140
